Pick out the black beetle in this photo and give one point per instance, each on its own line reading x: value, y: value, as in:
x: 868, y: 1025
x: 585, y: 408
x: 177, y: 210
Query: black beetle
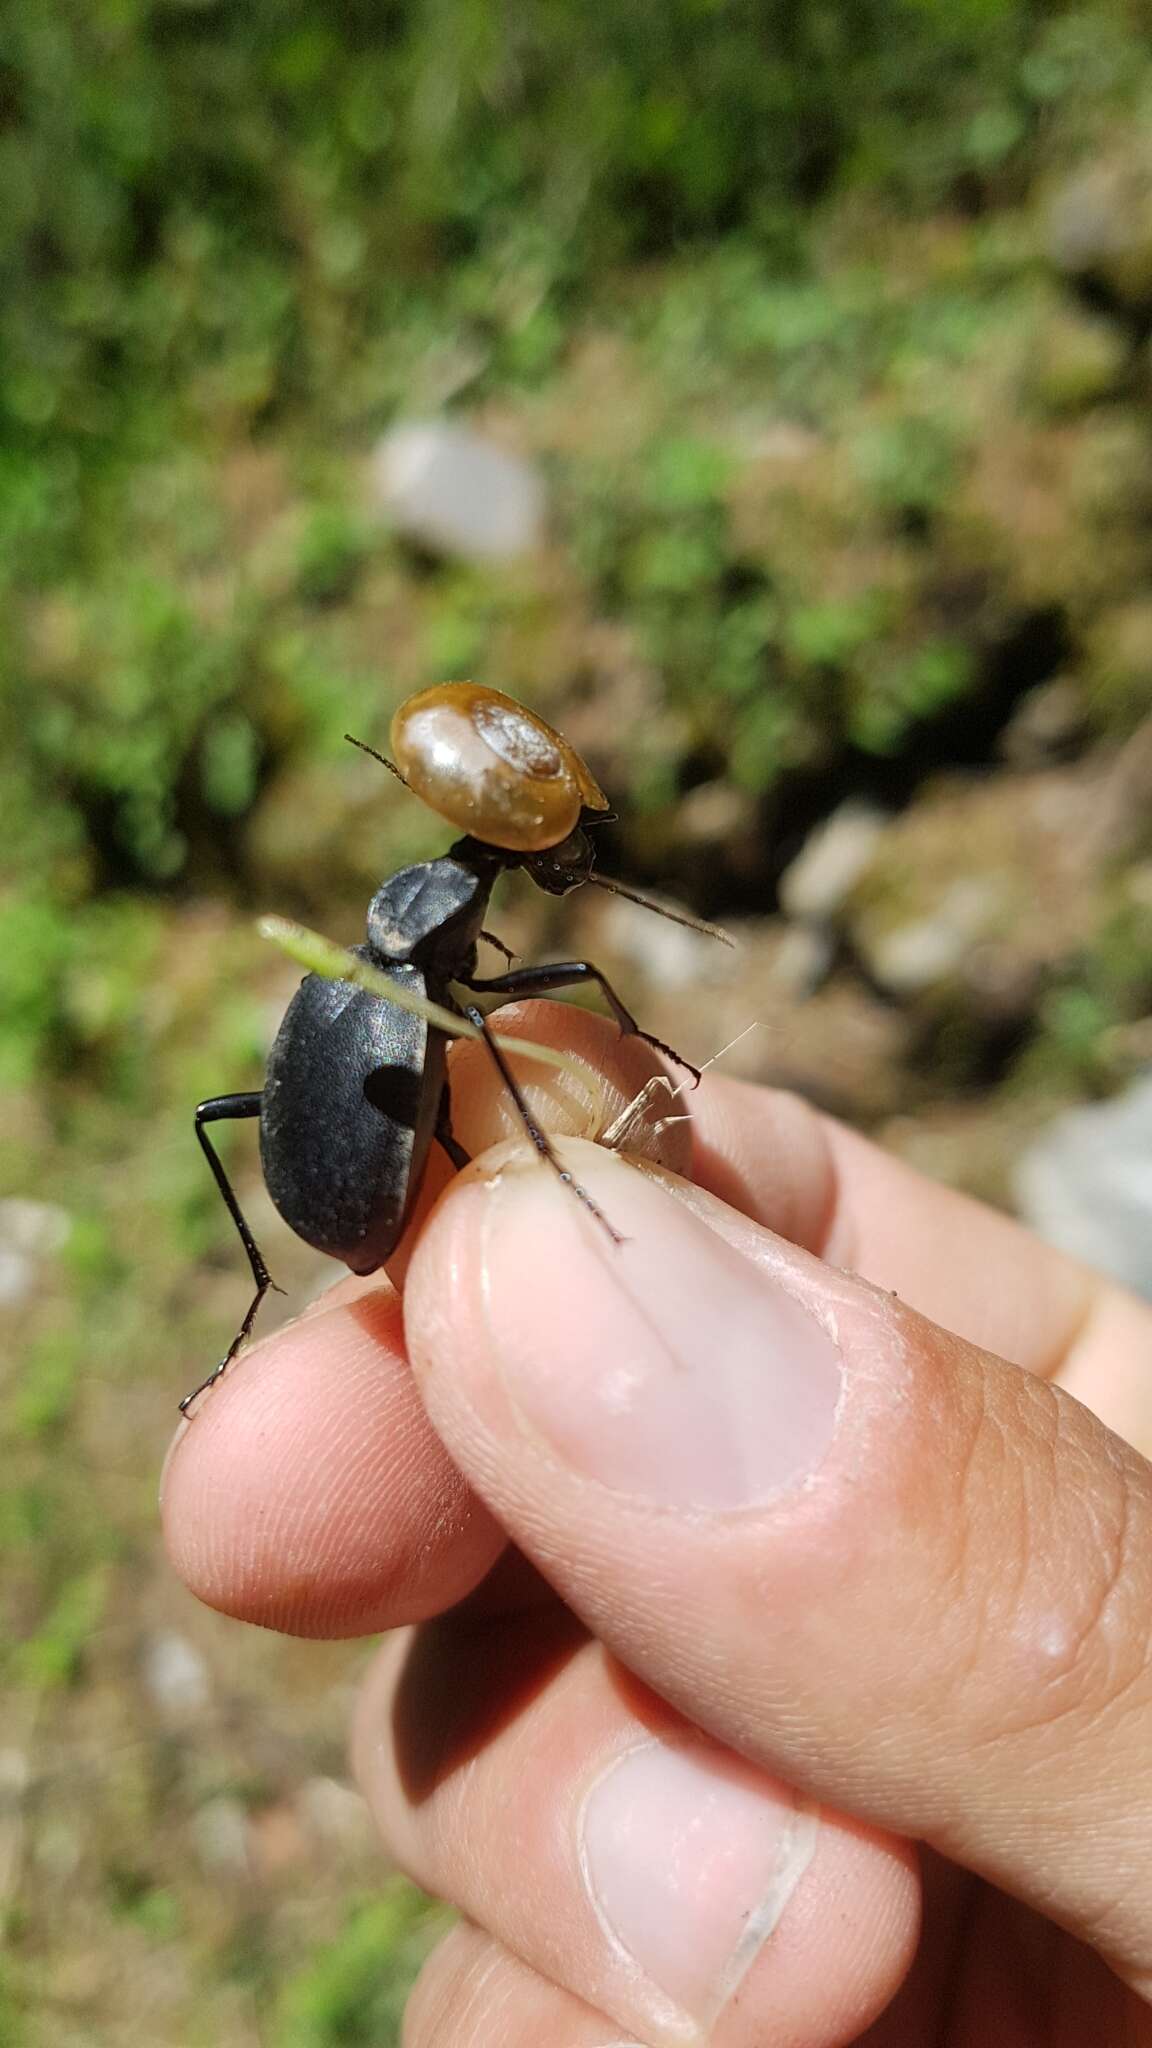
x: 355, y: 1092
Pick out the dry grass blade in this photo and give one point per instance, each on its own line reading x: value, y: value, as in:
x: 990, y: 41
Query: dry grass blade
x: 334, y: 963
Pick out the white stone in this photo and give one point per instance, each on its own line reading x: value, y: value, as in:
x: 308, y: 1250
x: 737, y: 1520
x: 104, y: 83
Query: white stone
x: 781, y: 441
x: 176, y: 1676
x: 831, y: 862
x: 15, y: 1776
x: 29, y: 1233
x: 336, y: 1814
x: 713, y: 812
x: 1086, y: 1185
x: 804, y: 960
x: 448, y: 488
x: 916, y: 956
x: 220, y: 1829
x: 667, y: 955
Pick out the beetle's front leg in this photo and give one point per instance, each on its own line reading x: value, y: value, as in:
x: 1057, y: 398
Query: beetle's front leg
x: 540, y: 981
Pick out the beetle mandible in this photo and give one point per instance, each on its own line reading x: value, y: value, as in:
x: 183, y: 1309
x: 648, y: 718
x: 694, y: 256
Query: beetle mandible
x: 355, y: 1091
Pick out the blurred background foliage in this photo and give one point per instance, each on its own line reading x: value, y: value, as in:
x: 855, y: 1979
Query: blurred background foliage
x: 827, y: 324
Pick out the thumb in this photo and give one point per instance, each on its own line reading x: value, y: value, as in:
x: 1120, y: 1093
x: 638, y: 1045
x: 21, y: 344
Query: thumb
x: 905, y: 1576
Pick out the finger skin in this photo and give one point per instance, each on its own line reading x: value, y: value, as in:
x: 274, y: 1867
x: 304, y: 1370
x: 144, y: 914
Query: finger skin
x: 960, y: 1263
x: 472, y: 1994
x: 311, y: 1495
x: 1034, y: 1986
x: 943, y: 1628
x: 308, y: 1493
x: 829, y: 1190
x: 479, y: 1748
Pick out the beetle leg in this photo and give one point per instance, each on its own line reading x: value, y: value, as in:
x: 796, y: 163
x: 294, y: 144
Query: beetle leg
x: 491, y: 939
x: 536, y: 1133
x: 221, y: 1109
x: 538, y: 981
x: 446, y: 1137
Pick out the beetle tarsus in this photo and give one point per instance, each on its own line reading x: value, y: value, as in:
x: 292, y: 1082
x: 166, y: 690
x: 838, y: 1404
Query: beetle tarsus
x: 237, y: 1344
x: 670, y: 1053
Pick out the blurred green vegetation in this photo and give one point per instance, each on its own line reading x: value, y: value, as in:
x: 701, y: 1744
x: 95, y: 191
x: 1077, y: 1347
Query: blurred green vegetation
x: 265, y: 227
x: 340, y: 1998
x: 843, y: 396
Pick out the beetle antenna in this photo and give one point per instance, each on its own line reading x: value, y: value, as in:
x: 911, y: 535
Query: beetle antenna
x: 693, y: 924
x: 382, y: 758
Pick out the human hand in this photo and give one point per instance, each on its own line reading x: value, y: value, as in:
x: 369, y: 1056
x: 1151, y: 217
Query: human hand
x: 768, y: 1578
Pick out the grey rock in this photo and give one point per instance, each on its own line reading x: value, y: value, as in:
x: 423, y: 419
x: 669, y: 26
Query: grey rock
x: 805, y: 959
x: 1100, y: 221
x: 15, y: 1789
x: 448, y: 488
x: 932, y: 949
x: 176, y: 1677
x: 59, y: 1849
x: 714, y: 812
x: 781, y: 441
x: 1050, y: 721
x: 664, y: 954
x: 336, y: 1815
x: 1086, y: 1185
x: 15, y: 1777
x: 830, y: 863
x: 30, y: 1233
x: 220, y: 1831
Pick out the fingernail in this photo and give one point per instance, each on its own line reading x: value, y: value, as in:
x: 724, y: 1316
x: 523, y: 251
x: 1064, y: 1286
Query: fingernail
x: 669, y: 1368
x: 690, y: 1856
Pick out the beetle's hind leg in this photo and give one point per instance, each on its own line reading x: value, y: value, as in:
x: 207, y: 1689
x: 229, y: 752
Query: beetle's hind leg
x: 227, y: 1109
x: 536, y: 1132
x: 539, y: 981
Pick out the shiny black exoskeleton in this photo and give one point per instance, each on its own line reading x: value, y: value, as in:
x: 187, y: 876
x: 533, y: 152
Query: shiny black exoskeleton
x: 355, y: 1093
